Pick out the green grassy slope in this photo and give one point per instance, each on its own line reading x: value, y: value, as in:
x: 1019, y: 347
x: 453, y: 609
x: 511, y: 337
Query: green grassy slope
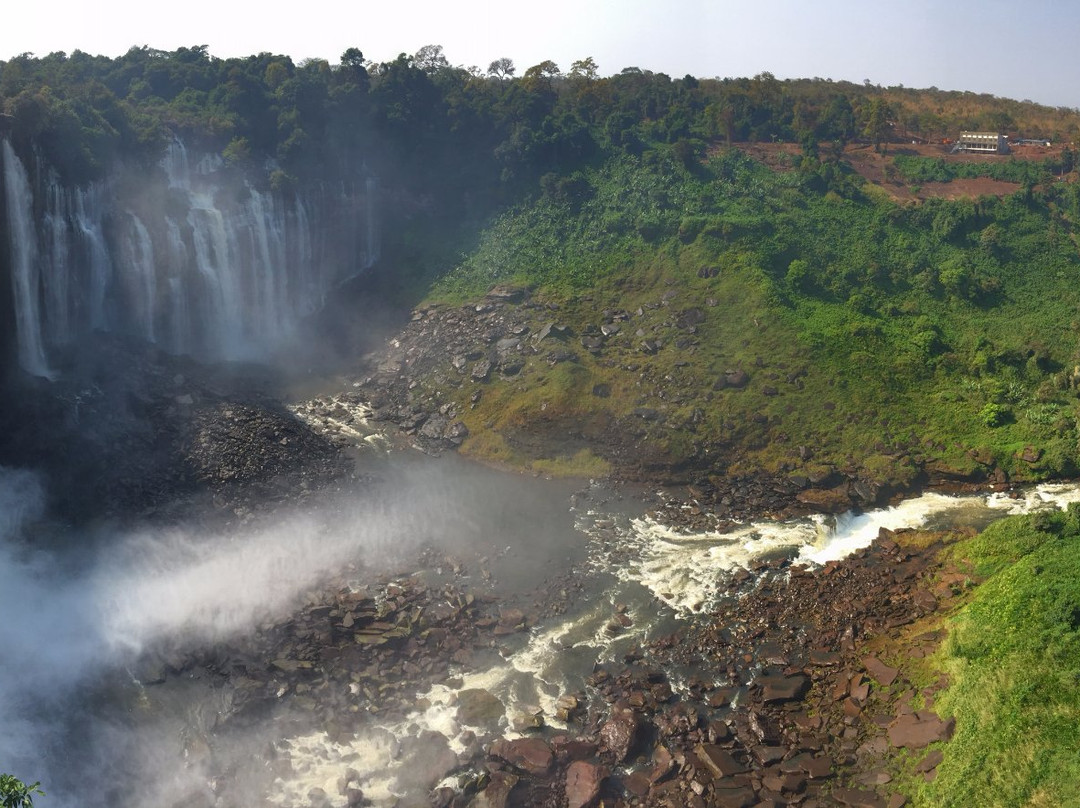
x: 877, y: 337
x: 1013, y: 659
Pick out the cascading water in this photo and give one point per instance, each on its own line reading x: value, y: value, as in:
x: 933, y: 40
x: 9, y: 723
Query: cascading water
x: 25, y: 270
x: 200, y: 260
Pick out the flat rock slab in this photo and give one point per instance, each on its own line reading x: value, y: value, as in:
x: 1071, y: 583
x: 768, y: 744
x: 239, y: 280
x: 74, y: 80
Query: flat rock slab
x: 720, y: 762
x: 931, y: 761
x: 883, y: 674
x: 917, y: 730
x: 857, y: 798
x: 783, y: 688
x: 743, y: 797
x: 531, y: 755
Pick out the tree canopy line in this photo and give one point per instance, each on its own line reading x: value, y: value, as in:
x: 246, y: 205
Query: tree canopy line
x: 424, y: 123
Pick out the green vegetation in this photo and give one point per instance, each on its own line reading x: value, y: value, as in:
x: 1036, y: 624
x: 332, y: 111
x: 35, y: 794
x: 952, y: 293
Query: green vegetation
x: 16, y: 794
x: 942, y: 330
x: 937, y: 169
x: 1013, y: 659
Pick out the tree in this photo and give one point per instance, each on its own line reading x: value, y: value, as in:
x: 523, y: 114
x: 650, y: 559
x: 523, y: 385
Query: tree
x: 585, y: 68
x: 430, y: 59
x: 501, y: 68
x: 16, y: 794
x: 538, y: 77
x: 877, y: 121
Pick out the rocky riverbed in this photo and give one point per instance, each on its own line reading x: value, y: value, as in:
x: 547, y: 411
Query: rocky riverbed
x: 787, y: 689
x: 790, y: 692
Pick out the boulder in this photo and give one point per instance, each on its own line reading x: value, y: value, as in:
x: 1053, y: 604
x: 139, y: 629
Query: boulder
x: 827, y: 500
x: 736, y: 378
x: 497, y: 793
x: 619, y: 734
x: 479, y: 708
x: 719, y: 761
x: 531, y: 755
x: 776, y: 689
x: 583, y: 781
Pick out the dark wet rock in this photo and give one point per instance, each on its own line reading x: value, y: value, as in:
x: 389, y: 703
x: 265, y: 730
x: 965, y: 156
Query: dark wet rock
x: 439, y: 760
x: 741, y: 797
x: 826, y: 500
x: 434, y: 427
x: 783, y: 688
x: 763, y: 726
x: 577, y: 749
x: 479, y: 708
x: 583, y: 782
x: 663, y: 765
x: 531, y: 755
x: 497, y: 792
x: 635, y: 783
x: 719, y: 761
x: 619, y: 734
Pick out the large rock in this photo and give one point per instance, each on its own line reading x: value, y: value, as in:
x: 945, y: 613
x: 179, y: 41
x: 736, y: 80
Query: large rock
x: 619, y: 734
x: 531, y: 755
x: 783, y: 688
x: 479, y: 708
x: 882, y: 673
x: 827, y: 500
x: 497, y: 793
x: 583, y: 781
x: 719, y: 761
x: 917, y: 730
x: 438, y: 761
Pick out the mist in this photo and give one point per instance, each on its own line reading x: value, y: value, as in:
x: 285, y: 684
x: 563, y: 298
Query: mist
x: 79, y: 627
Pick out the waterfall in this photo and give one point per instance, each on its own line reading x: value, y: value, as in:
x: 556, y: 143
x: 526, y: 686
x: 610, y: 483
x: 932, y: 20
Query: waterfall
x: 87, y: 215
x: 138, y: 268
x: 25, y: 270
x: 372, y: 245
x: 195, y: 256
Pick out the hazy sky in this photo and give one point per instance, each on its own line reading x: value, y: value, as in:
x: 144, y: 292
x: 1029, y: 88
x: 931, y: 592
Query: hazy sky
x: 1019, y: 49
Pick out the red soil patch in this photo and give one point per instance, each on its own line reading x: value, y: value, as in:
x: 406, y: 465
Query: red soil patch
x: 871, y: 165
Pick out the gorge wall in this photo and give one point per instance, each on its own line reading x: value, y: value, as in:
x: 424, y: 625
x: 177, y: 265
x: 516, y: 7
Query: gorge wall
x: 192, y: 255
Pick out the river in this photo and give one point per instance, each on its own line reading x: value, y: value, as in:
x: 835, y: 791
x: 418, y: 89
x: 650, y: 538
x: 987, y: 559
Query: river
x: 88, y: 627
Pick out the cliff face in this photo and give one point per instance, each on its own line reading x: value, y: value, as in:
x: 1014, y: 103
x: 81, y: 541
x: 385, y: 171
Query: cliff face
x: 192, y: 256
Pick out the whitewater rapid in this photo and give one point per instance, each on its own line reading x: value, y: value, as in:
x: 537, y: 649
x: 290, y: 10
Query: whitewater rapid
x: 75, y: 623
